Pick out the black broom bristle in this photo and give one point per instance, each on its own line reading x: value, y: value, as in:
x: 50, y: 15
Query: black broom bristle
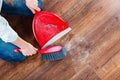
x: 55, y: 55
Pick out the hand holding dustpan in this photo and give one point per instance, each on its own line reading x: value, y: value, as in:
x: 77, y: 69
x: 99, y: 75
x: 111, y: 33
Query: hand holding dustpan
x: 47, y: 28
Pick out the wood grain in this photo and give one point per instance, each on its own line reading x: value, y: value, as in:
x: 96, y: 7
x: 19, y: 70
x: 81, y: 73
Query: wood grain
x: 93, y: 45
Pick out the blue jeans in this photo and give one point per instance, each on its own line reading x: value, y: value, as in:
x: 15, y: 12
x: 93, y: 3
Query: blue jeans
x: 18, y: 8
x: 7, y: 52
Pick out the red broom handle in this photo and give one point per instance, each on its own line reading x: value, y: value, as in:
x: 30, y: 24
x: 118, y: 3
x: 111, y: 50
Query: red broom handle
x: 47, y: 50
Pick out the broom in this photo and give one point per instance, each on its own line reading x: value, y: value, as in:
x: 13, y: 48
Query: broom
x: 51, y: 53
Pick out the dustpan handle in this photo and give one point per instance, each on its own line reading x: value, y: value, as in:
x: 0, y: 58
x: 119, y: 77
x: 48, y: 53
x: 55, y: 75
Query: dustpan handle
x: 37, y: 11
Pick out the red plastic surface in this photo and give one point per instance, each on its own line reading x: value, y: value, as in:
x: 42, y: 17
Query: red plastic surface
x: 47, y: 50
x: 50, y: 49
x: 46, y: 25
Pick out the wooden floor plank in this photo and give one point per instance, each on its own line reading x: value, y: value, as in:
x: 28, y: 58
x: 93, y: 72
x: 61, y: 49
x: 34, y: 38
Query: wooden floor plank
x: 93, y: 44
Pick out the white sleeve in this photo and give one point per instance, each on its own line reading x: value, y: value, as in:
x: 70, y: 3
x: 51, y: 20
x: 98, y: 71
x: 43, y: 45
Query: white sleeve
x: 7, y: 34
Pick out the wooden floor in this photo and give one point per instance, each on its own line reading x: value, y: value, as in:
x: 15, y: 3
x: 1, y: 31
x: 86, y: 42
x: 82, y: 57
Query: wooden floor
x: 93, y: 45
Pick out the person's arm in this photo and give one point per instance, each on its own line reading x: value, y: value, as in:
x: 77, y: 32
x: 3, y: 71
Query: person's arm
x: 32, y: 5
x: 7, y: 34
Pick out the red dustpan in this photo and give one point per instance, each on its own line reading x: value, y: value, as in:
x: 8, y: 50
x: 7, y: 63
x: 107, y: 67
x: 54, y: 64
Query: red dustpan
x: 48, y: 27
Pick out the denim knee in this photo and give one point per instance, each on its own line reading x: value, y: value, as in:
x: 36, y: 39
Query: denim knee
x: 7, y: 52
x: 18, y: 8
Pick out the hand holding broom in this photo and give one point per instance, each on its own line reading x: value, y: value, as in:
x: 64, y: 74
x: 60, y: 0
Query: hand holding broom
x: 50, y: 53
x: 26, y: 48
